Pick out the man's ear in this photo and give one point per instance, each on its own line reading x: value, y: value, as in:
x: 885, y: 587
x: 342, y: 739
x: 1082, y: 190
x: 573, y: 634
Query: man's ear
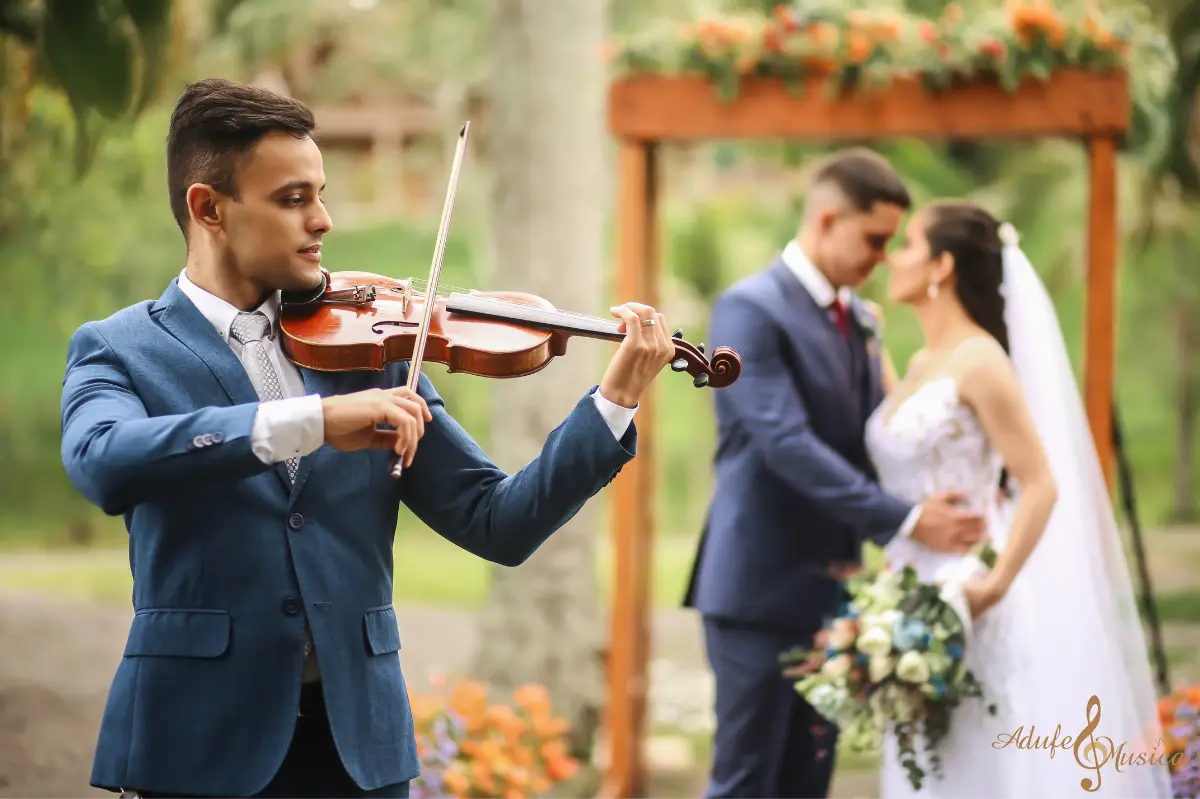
x: 203, y: 206
x: 825, y: 218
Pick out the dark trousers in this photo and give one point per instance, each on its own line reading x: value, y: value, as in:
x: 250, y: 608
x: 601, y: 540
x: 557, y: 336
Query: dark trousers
x: 768, y: 741
x: 312, y: 767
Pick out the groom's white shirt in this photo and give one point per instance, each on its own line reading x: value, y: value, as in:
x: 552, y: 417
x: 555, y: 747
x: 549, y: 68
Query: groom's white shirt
x: 822, y: 291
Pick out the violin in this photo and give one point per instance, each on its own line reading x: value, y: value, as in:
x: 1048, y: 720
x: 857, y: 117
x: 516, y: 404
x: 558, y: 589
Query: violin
x: 360, y: 320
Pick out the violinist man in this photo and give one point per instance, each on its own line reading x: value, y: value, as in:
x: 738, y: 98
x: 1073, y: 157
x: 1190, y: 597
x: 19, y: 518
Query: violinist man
x: 263, y: 656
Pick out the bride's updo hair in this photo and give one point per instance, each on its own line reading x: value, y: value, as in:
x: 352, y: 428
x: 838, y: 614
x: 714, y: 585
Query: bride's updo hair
x: 972, y: 236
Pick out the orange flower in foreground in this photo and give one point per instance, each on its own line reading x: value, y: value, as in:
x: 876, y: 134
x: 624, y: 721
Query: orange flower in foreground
x: 1029, y: 20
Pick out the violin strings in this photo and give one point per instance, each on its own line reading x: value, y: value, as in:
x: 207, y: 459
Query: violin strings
x: 420, y: 287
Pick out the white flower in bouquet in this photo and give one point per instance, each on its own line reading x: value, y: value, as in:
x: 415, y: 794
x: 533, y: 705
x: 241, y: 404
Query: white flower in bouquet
x: 885, y: 592
x: 912, y: 667
x: 828, y: 700
x: 879, y: 667
x: 898, y: 700
x: 875, y: 641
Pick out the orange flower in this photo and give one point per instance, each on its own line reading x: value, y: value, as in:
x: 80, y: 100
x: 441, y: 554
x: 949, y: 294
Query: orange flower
x: 561, y: 768
x: 456, y: 782
x: 1030, y: 20
x: 858, y: 47
x: 786, y: 17
x: 548, y: 727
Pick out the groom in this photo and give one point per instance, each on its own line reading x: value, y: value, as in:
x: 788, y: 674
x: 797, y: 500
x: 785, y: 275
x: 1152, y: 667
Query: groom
x: 794, y: 498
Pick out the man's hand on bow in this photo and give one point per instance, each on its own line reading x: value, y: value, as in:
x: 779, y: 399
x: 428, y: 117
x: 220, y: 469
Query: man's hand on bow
x: 646, y: 349
x: 352, y: 421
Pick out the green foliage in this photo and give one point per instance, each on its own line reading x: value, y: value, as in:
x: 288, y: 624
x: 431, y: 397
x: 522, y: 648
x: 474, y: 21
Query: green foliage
x: 106, y: 56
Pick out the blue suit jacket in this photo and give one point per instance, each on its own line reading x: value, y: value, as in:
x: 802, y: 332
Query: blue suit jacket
x: 228, y: 557
x: 793, y: 489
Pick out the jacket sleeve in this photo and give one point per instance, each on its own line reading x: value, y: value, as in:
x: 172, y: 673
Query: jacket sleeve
x: 766, y: 406
x: 455, y: 489
x: 117, y: 455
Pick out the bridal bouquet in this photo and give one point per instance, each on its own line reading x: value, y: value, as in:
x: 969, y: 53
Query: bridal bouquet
x: 895, y: 657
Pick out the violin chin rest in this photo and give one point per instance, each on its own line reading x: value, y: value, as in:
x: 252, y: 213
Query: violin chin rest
x: 303, y: 301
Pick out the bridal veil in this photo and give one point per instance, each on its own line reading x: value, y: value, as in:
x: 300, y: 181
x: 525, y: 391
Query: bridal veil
x: 1089, y: 638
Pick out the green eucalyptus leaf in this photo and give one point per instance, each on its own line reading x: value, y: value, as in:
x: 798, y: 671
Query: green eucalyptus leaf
x: 152, y: 19
x: 91, y: 49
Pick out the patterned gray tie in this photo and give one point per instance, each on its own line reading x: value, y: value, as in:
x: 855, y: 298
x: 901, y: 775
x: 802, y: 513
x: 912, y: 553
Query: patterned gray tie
x: 251, y: 329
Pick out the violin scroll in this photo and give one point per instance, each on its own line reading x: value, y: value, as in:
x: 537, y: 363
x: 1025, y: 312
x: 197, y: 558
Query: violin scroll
x: 721, y: 370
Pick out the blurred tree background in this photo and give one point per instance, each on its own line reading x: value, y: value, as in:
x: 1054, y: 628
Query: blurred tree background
x: 86, y: 87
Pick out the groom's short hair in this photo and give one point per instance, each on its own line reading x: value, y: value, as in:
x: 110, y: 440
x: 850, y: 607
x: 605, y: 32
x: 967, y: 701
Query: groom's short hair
x: 863, y: 177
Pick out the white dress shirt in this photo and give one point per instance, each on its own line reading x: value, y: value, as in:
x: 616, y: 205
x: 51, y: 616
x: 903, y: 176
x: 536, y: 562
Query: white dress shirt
x: 823, y: 292
x: 295, y: 426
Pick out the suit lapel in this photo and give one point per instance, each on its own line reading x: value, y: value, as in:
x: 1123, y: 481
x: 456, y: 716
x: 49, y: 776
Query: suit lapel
x: 868, y: 348
x: 184, y: 321
x: 811, y: 319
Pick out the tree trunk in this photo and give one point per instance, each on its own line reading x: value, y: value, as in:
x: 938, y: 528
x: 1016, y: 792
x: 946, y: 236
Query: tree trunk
x: 545, y: 132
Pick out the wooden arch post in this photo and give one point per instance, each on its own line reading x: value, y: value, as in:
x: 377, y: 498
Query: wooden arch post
x: 645, y: 112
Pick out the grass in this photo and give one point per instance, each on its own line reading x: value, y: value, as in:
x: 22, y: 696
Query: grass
x: 429, y: 571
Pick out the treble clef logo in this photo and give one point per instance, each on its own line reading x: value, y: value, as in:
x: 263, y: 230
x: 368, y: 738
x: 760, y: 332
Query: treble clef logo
x: 1095, y: 753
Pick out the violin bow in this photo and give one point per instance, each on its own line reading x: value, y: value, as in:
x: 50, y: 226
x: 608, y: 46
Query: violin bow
x: 435, y: 271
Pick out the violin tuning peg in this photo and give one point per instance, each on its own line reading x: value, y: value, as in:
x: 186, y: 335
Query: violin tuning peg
x: 679, y: 365
x: 701, y: 380
x: 700, y: 347
x: 678, y: 333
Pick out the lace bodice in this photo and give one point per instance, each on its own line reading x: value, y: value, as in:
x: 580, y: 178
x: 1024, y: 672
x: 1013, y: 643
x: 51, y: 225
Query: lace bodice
x: 932, y: 442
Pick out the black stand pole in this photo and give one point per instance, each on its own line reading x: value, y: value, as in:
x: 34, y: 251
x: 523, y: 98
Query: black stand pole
x: 1125, y: 481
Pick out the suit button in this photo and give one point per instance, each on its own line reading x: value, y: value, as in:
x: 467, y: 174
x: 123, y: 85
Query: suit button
x: 291, y: 606
x: 295, y: 521
x: 198, y: 441
x: 218, y: 437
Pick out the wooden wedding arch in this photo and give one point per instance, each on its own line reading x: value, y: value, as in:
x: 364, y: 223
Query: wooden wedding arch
x: 646, y: 112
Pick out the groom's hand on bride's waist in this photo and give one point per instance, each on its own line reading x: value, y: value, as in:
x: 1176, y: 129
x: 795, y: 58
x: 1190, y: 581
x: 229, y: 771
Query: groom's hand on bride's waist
x: 946, y: 527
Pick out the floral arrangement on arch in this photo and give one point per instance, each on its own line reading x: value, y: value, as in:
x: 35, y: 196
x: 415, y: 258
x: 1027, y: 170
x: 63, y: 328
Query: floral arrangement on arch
x: 1179, y: 715
x: 472, y: 747
x: 850, y: 46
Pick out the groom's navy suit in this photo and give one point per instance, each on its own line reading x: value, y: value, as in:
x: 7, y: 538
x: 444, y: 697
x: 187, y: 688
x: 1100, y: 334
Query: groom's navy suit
x: 793, y: 497
x: 230, y: 558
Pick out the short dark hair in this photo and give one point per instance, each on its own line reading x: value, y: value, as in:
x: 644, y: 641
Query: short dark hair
x: 214, y: 124
x: 864, y: 177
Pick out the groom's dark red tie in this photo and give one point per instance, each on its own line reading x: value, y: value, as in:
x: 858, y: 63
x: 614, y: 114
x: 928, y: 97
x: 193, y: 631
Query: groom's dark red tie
x: 841, y: 316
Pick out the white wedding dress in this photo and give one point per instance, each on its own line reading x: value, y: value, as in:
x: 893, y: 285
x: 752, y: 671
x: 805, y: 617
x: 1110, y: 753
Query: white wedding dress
x: 1067, y: 630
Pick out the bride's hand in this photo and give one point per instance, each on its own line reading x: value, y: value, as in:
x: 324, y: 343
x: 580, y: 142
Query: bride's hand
x: 982, y: 595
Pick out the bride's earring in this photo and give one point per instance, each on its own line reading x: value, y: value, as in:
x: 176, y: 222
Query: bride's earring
x: 932, y: 291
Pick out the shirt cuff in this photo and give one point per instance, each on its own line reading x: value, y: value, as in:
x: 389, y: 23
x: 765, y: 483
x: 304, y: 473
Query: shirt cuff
x: 288, y: 428
x: 617, y: 417
x: 910, y: 522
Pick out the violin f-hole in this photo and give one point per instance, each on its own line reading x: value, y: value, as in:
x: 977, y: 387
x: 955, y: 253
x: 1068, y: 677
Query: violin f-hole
x: 396, y: 322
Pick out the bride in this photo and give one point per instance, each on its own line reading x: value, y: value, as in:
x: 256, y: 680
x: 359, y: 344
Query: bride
x: 989, y: 407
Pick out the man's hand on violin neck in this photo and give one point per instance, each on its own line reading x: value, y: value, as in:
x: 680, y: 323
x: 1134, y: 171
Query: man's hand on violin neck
x: 645, y: 350
x: 352, y: 421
